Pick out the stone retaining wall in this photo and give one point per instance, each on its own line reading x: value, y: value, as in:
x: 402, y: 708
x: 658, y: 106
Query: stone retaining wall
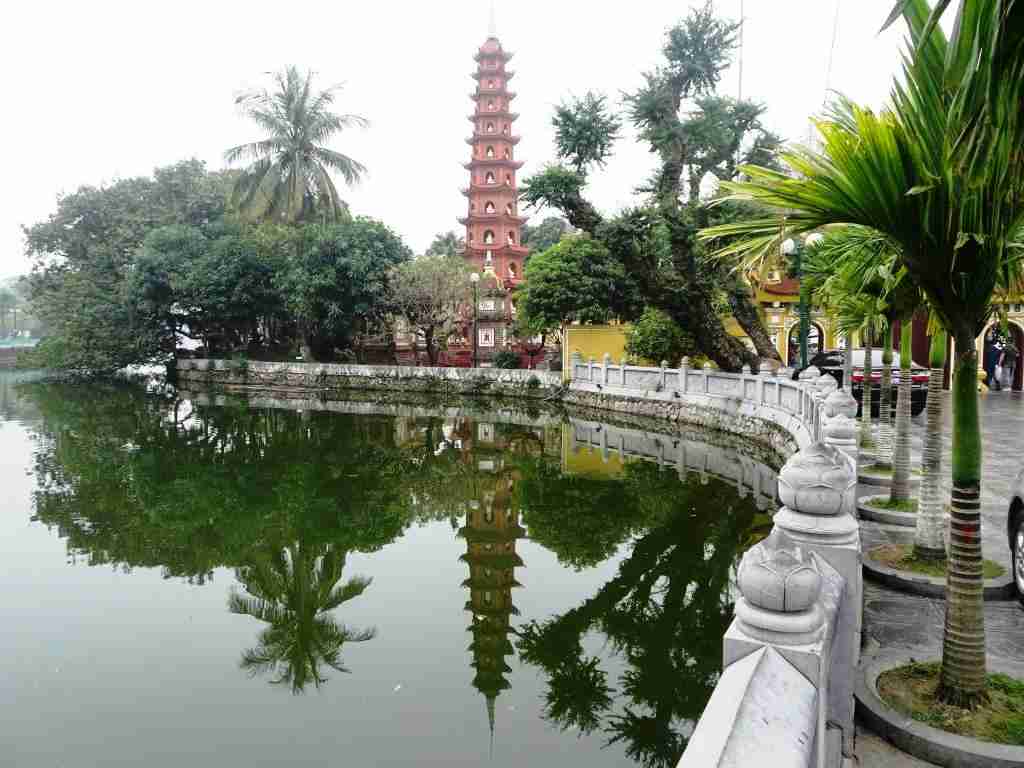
x: 323, y: 377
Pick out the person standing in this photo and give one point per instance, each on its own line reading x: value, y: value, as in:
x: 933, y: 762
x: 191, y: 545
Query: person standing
x: 1008, y: 362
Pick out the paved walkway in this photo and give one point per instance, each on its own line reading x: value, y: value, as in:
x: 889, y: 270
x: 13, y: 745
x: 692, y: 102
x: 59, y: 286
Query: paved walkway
x: 897, y: 621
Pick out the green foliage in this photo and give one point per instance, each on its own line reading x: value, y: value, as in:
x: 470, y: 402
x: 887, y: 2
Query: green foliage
x: 447, y: 244
x: 542, y: 236
x: 655, y: 337
x: 585, y: 131
x: 289, y: 175
x: 505, y: 358
x: 429, y: 294
x: 337, y: 282
x: 559, y: 187
x: 575, y: 280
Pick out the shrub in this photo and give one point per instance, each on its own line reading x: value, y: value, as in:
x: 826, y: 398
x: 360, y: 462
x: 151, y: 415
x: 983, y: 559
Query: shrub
x: 505, y: 358
x: 656, y: 337
x: 533, y: 382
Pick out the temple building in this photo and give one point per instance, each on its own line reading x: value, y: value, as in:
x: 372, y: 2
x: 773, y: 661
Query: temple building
x: 492, y: 220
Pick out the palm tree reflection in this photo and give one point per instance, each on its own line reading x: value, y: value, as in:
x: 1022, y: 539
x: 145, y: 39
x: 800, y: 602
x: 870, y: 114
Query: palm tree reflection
x: 293, y: 589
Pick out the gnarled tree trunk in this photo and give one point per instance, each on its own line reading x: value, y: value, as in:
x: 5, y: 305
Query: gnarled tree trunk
x: 900, y: 490
x: 962, y: 680
x: 745, y: 311
x: 929, y: 541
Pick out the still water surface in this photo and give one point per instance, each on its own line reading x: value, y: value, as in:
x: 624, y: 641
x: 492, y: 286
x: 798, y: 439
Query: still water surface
x: 238, y: 585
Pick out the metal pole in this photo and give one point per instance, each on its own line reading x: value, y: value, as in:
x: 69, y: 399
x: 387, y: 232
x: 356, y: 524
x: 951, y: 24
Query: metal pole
x: 476, y: 304
x: 805, y: 310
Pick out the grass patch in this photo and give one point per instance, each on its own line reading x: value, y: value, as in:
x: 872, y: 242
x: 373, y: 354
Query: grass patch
x: 911, y: 690
x: 901, y: 557
x: 901, y: 505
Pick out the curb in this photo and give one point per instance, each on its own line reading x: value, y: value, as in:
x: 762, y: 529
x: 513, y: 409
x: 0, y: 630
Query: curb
x: 866, y: 477
x: 922, y: 741
x: 888, y: 516
x: 931, y: 586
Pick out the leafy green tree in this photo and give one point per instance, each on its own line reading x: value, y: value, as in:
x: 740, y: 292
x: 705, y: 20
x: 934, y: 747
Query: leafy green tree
x: 8, y: 302
x: 446, y: 244
x: 288, y: 178
x: 655, y: 337
x: 576, y: 280
x: 707, y: 139
x: 83, y: 256
x: 338, y: 282
x: 586, y: 131
x: 216, y: 284
x: 941, y: 174
x: 542, y: 236
x: 429, y: 294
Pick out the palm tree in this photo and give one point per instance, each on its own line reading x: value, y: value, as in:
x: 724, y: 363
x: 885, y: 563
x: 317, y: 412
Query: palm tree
x: 289, y: 175
x: 293, y: 590
x: 941, y: 173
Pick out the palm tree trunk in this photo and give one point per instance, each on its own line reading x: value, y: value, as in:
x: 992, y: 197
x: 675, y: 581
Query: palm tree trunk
x: 963, y: 645
x: 929, y: 541
x: 900, y: 490
x: 867, y: 439
x: 848, y: 364
x: 884, y: 455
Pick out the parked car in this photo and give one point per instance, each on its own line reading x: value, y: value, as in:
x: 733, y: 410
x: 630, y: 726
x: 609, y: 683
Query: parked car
x: 832, y: 363
x: 1015, y: 534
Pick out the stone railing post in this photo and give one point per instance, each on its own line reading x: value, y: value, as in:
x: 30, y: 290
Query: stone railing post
x: 840, y: 432
x: 790, y: 599
x: 707, y: 376
x: 606, y: 361
x: 684, y: 370
x: 662, y: 377
x: 816, y: 487
x: 575, y: 359
x: 622, y: 372
x: 764, y: 371
x: 590, y: 369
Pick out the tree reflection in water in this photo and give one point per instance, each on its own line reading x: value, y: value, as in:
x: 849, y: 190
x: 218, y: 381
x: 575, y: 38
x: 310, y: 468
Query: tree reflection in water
x: 663, y: 614
x: 294, y: 589
x: 282, y: 499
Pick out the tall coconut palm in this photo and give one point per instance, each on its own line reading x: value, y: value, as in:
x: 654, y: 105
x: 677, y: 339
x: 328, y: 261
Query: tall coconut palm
x: 913, y: 173
x: 288, y: 178
x: 293, y: 590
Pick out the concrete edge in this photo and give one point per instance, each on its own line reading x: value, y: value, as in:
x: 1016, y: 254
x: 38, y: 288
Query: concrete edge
x: 869, y: 511
x: 866, y: 477
x: 922, y: 741
x: 930, y: 586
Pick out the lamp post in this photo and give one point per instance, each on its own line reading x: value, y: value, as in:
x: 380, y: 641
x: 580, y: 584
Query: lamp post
x: 474, y: 279
x: 794, y: 251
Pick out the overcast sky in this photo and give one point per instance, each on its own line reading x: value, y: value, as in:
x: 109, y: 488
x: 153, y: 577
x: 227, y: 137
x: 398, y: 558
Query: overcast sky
x: 101, y: 90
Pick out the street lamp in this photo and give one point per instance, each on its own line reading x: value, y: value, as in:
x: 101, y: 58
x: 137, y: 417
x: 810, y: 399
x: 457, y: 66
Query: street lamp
x: 793, y: 250
x: 474, y: 279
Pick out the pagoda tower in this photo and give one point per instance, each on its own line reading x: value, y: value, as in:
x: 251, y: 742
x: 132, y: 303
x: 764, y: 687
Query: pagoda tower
x: 491, y: 531
x: 492, y: 221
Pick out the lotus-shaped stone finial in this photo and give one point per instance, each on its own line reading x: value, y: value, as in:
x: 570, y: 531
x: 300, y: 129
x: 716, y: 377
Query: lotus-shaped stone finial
x: 841, y: 402
x: 778, y: 575
x: 815, y: 481
x: 841, y: 429
x: 826, y: 383
x: 810, y: 374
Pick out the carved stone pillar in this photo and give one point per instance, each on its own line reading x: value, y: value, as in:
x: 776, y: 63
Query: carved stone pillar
x: 817, y: 488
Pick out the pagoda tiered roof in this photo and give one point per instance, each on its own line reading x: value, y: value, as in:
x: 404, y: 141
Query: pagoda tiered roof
x: 492, y: 113
x: 492, y: 218
x: 496, y: 161
x: 482, y: 91
x: 477, y: 136
x: 508, y: 74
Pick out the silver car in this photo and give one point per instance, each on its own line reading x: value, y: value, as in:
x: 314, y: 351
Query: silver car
x: 1015, y: 533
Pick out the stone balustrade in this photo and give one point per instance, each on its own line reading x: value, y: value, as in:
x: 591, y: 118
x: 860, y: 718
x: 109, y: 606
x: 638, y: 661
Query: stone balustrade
x: 785, y: 697
x: 763, y: 406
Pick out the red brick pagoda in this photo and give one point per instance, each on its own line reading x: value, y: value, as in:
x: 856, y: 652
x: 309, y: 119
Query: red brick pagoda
x: 493, y: 222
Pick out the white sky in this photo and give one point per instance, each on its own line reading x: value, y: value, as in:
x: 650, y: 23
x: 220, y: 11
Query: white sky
x: 100, y: 90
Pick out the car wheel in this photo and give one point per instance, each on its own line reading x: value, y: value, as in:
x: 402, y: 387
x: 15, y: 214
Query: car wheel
x: 1017, y: 556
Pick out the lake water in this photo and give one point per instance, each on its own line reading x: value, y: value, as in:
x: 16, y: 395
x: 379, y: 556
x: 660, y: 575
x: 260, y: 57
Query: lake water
x: 235, y: 584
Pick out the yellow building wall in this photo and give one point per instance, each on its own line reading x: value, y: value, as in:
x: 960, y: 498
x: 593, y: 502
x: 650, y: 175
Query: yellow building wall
x: 588, y: 461
x: 593, y: 341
